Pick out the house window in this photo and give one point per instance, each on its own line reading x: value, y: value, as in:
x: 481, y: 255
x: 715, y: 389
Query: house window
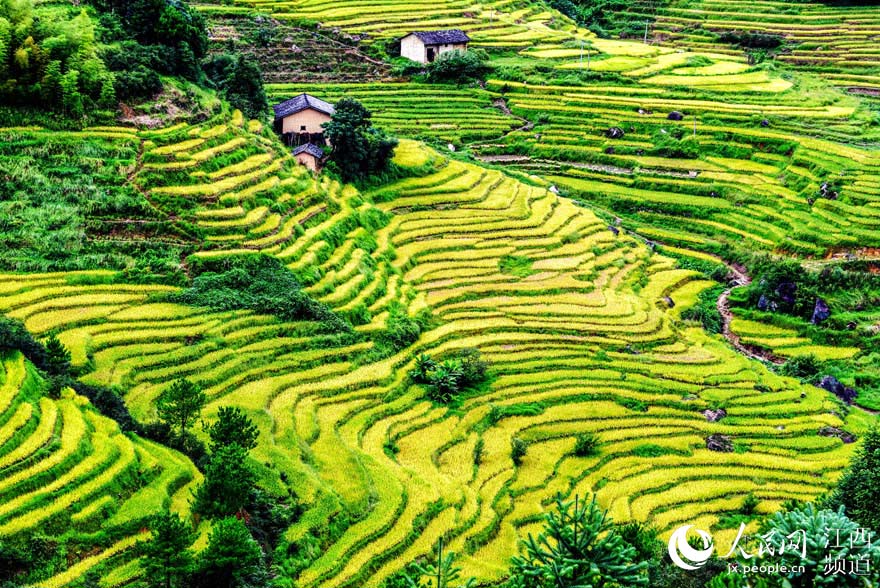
x: 302, y: 127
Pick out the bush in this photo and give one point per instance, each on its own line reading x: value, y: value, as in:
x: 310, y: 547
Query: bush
x: 803, y: 367
x: 459, y: 67
x: 447, y: 379
x: 256, y: 282
x: 518, y: 449
x: 586, y: 444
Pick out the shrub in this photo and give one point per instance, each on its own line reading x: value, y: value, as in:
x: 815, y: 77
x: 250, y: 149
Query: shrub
x: 803, y: 367
x: 256, y: 282
x: 586, y: 444
x: 459, y: 67
x: 518, y: 449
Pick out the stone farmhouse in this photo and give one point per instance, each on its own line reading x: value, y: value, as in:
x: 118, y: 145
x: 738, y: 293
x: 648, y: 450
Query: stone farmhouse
x: 299, y: 120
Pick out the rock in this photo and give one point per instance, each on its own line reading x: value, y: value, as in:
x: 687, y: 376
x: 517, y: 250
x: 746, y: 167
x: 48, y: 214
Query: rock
x: 675, y: 115
x: 451, y: 147
x: 618, y: 221
x: 713, y: 416
x: 720, y: 443
x: 615, y: 133
x: 787, y: 291
x: 851, y: 325
x: 834, y: 386
x: 765, y: 123
x: 844, y: 436
x: 614, y: 230
x: 765, y: 304
x: 609, y: 150
x: 669, y: 301
x: 554, y: 189
x: 820, y: 312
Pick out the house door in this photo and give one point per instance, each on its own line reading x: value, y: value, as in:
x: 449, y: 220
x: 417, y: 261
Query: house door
x: 430, y: 54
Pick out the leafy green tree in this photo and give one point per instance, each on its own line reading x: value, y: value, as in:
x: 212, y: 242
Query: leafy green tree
x: 858, y: 491
x: 233, y: 559
x: 359, y: 149
x: 240, y: 80
x: 578, y: 547
x: 179, y: 405
x: 233, y: 427
x: 167, y: 560
x: 228, y: 482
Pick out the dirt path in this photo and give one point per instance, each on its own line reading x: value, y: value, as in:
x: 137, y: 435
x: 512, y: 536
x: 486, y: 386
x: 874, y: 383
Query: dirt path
x: 740, y: 278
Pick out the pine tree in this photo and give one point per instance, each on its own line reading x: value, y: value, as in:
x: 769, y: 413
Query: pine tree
x: 858, y: 491
x: 57, y: 356
x: 232, y: 559
x: 228, y: 482
x: 233, y: 427
x: 167, y: 560
x: 578, y: 547
x: 180, y: 405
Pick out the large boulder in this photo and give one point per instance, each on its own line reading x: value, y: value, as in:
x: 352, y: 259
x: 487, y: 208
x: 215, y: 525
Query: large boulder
x: 834, y: 386
x: 713, y: 416
x: 615, y: 133
x: 844, y: 436
x: 720, y: 443
x: 821, y: 312
x: 787, y: 292
x: 675, y: 115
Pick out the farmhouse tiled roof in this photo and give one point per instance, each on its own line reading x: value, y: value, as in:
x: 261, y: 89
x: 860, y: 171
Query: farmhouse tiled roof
x: 311, y: 149
x: 446, y: 37
x: 300, y: 103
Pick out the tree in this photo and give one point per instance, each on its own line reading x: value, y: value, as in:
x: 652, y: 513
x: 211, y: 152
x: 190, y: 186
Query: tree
x: 180, y: 404
x: 233, y: 427
x: 440, y: 573
x: 359, y: 149
x: 578, y: 547
x: 228, y: 482
x: 57, y: 356
x: 827, y: 538
x: 232, y: 559
x: 858, y: 491
x: 240, y: 80
x: 167, y: 560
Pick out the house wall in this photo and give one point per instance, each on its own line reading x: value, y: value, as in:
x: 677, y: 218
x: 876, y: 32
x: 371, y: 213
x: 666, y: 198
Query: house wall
x: 308, y: 160
x: 310, y: 118
x: 441, y: 49
x: 412, y: 47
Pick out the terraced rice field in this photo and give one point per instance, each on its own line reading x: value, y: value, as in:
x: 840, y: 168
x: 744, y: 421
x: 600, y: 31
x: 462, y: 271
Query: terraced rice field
x: 838, y: 41
x: 495, y: 23
x: 582, y: 341
x: 64, y: 467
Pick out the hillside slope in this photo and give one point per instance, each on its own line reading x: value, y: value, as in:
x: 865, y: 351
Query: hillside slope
x: 583, y: 336
x: 65, y: 470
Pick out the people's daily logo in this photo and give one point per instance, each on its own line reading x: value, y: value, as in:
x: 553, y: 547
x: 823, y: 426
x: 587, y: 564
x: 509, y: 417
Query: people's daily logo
x: 684, y: 555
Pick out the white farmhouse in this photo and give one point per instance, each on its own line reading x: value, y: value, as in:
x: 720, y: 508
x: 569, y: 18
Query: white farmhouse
x: 426, y: 46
